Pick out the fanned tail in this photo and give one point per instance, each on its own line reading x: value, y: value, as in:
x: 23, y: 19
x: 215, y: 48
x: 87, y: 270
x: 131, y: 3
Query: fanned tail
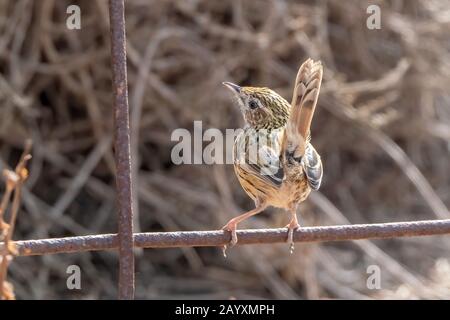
x: 304, y: 100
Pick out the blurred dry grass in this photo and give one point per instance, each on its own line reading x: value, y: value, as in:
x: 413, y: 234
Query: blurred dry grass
x: 382, y: 127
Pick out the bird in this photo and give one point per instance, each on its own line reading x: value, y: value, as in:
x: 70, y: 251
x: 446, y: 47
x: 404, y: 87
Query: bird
x: 273, y: 157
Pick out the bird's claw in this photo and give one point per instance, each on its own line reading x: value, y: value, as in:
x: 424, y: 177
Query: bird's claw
x: 230, y: 227
x: 290, y: 237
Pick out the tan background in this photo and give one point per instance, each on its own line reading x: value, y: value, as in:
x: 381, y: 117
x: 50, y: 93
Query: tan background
x: 382, y: 128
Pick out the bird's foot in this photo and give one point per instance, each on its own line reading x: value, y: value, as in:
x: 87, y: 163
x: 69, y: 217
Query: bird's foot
x: 292, y: 226
x: 231, y: 227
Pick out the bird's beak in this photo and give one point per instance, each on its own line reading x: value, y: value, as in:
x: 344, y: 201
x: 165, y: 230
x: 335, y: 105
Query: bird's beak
x: 233, y: 87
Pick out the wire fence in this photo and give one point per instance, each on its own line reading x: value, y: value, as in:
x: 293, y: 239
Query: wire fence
x: 125, y: 240
x: 220, y: 238
x: 122, y: 148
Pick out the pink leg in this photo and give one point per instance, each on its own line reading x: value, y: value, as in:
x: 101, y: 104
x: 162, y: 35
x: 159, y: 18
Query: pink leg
x: 292, y: 226
x: 232, y: 224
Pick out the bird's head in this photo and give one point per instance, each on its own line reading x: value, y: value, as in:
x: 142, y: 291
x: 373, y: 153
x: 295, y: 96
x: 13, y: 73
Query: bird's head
x: 262, y: 108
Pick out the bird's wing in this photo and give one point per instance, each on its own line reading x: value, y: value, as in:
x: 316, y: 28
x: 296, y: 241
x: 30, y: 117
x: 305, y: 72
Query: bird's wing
x: 304, y: 100
x: 261, y: 158
x: 312, y: 166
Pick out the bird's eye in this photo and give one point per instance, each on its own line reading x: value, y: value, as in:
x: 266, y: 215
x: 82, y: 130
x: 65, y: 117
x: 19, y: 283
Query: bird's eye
x: 253, y: 104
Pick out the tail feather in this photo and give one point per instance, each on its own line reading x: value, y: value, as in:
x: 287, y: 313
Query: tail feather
x: 304, y: 100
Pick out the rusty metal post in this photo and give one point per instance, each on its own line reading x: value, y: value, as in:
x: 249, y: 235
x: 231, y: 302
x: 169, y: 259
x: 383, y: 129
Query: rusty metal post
x: 122, y: 149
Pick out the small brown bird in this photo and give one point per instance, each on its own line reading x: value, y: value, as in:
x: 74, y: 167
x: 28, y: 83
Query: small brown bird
x: 273, y: 158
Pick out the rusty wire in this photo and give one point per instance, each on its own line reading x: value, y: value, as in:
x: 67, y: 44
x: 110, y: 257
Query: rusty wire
x: 122, y: 149
x: 219, y: 237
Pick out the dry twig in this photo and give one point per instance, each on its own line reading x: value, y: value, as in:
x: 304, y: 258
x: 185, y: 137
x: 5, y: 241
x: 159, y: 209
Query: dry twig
x: 14, y: 182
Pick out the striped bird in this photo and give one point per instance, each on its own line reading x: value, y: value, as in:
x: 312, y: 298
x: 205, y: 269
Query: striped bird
x: 274, y: 160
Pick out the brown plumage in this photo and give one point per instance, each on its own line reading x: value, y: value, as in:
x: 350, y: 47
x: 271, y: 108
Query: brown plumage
x: 274, y: 160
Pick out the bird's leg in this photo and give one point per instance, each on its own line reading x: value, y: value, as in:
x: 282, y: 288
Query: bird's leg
x: 232, y: 224
x: 292, y: 226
